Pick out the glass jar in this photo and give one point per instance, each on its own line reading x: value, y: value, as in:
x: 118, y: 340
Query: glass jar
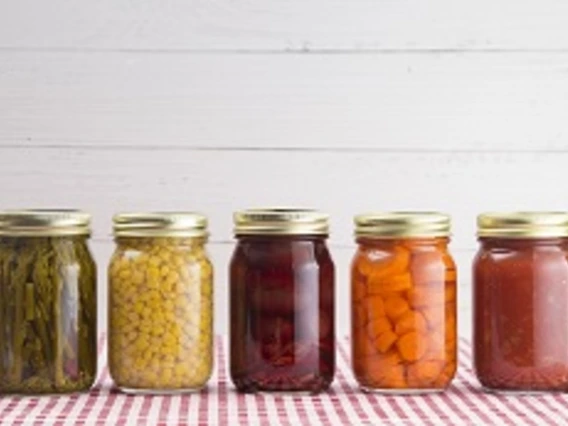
x: 160, y: 303
x: 520, y: 302
x: 48, y: 302
x: 282, y: 330
x: 403, y: 289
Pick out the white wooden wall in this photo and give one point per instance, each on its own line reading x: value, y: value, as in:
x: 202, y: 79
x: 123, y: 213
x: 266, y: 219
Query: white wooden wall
x: 347, y: 106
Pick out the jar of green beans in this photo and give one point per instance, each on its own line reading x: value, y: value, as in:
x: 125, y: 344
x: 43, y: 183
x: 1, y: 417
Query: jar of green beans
x: 48, y: 296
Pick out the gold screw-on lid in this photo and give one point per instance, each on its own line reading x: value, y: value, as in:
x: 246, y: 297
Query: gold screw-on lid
x: 402, y: 224
x: 44, y: 222
x: 281, y: 221
x: 160, y: 224
x: 523, y: 224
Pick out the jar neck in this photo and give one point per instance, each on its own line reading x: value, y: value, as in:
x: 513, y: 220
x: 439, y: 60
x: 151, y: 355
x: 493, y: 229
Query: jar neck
x: 282, y: 237
x: 9, y: 239
x: 407, y: 241
x: 194, y: 242
x: 497, y: 242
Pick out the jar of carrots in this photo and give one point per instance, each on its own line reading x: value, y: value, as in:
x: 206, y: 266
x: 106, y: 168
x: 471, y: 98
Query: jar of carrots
x: 403, y: 288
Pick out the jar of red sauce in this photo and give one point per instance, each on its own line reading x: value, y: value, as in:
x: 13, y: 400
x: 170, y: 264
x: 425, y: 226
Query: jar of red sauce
x: 520, y: 301
x: 403, y: 301
x: 281, y: 302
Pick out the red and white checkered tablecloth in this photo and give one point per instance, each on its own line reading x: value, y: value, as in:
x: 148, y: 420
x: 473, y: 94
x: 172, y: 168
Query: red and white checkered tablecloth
x: 462, y: 404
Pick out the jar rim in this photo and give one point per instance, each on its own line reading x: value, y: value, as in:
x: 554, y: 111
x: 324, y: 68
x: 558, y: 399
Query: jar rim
x: 160, y: 224
x: 281, y: 221
x: 44, y: 222
x: 402, y: 224
x: 523, y: 224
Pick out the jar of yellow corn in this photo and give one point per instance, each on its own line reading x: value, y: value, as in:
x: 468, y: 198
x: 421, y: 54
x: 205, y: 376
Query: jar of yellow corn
x: 160, y: 303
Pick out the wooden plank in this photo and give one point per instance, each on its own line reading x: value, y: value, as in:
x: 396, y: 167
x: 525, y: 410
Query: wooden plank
x: 340, y: 183
x: 293, y: 25
x: 221, y: 254
x: 442, y: 102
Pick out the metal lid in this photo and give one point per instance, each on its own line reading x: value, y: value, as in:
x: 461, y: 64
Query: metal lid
x: 281, y: 221
x: 44, y: 222
x: 160, y: 224
x: 523, y: 224
x: 402, y: 224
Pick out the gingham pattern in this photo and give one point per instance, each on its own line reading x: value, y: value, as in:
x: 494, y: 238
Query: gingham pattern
x: 464, y: 403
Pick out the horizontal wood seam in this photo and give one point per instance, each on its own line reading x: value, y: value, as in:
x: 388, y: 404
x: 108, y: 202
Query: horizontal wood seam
x: 285, y: 50
x: 109, y: 146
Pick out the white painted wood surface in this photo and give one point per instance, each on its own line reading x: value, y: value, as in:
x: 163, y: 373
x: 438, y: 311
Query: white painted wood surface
x: 346, y: 106
x: 284, y: 25
x: 402, y: 102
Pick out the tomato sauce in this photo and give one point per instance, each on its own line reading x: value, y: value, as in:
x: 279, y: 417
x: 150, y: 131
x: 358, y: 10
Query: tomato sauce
x: 520, y: 304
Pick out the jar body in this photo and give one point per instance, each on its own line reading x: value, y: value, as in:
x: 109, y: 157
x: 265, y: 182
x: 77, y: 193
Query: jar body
x: 520, y: 306
x: 282, y: 333
x: 160, y: 314
x: 48, y: 315
x: 403, y: 314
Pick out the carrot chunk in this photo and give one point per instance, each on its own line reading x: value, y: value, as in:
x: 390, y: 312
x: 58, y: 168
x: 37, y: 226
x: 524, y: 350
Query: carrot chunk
x: 378, y: 326
x: 395, y: 307
x: 447, y: 375
x: 385, y: 341
x: 419, y: 297
x: 390, y: 283
x: 436, y: 347
x: 388, y: 359
x: 393, y: 378
x: 427, y: 267
x: 385, y: 370
x: 377, y: 363
x: 412, y: 346
x: 411, y: 321
x: 390, y: 265
x: 424, y: 373
x: 362, y: 266
x: 434, y: 316
x: 375, y: 307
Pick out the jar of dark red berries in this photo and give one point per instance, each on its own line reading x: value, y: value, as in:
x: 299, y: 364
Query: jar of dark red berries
x: 282, y: 302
